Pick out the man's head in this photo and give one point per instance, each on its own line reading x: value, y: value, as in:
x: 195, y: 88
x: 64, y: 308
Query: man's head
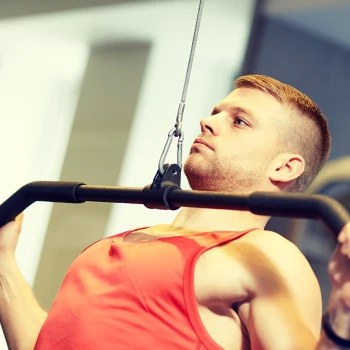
x: 264, y: 135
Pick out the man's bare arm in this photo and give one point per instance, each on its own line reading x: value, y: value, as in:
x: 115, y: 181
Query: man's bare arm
x: 284, y: 308
x: 290, y: 323
x: 21, y: 316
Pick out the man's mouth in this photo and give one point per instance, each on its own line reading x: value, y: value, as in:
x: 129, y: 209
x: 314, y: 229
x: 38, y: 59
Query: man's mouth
x: 202, y: 142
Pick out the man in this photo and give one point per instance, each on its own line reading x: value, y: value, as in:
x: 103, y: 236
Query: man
x: 213, y: 279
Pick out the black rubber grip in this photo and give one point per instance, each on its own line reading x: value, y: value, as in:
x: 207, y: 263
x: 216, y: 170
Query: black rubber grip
x: 44, y: 191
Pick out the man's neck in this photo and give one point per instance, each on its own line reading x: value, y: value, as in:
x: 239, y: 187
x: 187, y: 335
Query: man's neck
x: 197, y: 219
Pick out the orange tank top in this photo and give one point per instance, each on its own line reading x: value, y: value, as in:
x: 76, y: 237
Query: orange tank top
x: 122, y: 295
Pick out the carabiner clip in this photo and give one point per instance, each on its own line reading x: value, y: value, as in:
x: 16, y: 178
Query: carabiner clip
x: 171, y: 135
x: 166, y: 150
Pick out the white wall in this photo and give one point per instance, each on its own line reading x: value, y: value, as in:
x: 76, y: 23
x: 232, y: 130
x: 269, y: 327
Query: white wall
x: 38, y: 91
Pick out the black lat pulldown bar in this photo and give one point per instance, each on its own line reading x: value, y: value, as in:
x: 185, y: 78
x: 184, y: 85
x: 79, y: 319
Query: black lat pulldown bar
x: 165, y: 193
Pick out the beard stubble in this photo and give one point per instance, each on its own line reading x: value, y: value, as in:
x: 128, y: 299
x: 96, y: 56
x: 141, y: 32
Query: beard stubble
x: 240, y: 174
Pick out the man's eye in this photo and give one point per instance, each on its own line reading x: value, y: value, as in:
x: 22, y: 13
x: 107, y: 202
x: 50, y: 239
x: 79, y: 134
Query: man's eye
x: 239, y: 121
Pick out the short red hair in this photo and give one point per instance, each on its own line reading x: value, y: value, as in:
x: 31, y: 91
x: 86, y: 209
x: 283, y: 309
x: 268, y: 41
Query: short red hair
x: 307, y: 130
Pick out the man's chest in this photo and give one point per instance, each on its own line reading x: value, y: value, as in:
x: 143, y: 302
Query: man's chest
x: 219, y: 275
x: 180, y: 277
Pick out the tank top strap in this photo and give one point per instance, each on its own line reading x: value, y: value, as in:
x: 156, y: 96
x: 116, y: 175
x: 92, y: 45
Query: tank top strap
x: 216, y: 238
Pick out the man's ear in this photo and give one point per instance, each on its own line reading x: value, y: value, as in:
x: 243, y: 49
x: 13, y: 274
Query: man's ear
x: 285, y: 168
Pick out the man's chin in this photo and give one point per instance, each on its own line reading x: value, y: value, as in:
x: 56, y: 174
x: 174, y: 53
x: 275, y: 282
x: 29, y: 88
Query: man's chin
x: 201, y: 178
x: 193, y: 170
x: 199, y: 181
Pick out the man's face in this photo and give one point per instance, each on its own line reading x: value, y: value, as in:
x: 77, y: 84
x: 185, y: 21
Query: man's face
x: 237, y: 143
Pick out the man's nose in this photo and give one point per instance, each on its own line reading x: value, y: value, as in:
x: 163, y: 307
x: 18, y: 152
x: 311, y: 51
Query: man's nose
x: 210, y: 124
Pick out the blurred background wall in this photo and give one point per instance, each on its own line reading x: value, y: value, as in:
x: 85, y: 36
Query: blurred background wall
x: 89, y: 90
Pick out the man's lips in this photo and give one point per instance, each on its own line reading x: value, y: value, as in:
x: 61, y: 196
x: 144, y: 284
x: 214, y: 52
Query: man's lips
x: 202, y: 142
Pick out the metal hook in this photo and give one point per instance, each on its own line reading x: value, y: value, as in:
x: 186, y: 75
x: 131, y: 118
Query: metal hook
x: 166, y: 150
x: 168, y: 143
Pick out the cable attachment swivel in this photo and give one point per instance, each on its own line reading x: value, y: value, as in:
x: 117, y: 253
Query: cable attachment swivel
x: 155, y: 196
x: 179, y: 117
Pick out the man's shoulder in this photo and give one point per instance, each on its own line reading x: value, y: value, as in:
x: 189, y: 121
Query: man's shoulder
x: 277, y: 269
x: 267, y: 253
x: 272, y: 244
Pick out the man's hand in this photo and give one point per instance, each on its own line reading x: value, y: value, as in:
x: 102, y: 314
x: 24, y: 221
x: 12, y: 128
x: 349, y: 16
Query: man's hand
x: 21, y: 317
x: 339, y: 267
x: 339, y: 272
x: 9, y: 237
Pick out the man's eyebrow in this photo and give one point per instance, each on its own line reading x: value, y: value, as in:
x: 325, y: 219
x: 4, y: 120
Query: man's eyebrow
x: 235, y: 109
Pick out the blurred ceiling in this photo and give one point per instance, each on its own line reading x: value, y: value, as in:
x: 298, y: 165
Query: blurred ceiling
x: 109, y: 22
x: 329, y: 19
x: 20, y: 8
